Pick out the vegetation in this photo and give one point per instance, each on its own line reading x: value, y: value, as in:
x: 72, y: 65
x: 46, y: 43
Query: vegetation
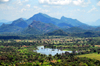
x: 19, y: 52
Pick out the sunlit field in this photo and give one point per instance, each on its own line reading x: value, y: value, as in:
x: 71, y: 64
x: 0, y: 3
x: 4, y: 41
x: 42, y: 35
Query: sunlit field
x: 92, y: 56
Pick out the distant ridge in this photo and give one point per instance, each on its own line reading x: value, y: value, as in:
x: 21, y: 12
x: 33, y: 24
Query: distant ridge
x: 62, y: 23
x: 42, y: 24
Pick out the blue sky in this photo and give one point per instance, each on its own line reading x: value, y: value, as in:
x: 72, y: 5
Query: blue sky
x: 84, y: 10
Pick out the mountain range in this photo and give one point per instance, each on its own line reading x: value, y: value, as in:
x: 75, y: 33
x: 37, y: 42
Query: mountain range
x: 43, y: 24
x: 95, y: 23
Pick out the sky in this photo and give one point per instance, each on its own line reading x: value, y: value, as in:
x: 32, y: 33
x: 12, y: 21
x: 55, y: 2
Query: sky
x: 85, y: 11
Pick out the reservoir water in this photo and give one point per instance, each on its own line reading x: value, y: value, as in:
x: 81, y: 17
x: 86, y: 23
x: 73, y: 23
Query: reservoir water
x: 47, y: 51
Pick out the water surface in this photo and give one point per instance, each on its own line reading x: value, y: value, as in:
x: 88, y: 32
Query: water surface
x: 47, y: 51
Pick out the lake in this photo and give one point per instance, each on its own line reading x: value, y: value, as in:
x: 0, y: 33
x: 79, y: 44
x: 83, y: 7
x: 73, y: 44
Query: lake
x: 47, y: 51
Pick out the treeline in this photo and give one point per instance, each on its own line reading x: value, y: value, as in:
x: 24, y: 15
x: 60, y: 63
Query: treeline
x: 55, y: 33
x: 6, y: 37
x: 9, y: 37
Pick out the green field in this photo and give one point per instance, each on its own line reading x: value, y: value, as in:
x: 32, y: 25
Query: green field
x: 92, y: 56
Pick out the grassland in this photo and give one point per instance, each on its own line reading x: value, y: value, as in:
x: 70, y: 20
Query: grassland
x: 92, y: 56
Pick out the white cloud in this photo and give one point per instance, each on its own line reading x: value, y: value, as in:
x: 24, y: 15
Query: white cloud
x: 78, y: 9
x: 78, y: 2
x: 26, y: 0
x: 55, y: 2
x: 98, y: 3
x: 19, y: 2
x: 65, y: 2
x: 35, y: 7
x: 4, y: 0
x: 28, y: 5
x: 93, y: 9
x: 86, y: 3
x: 23, y: 9
x: 45, y: 6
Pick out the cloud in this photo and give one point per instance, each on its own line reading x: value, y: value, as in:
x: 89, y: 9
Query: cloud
x: 93, y: 9
x: 28, y: 5
x: 23, y: 9
x: 65, y: 2
x: 55, y: 2
x: 98, y: 3
x: 2, y: 1
x: 35, y: 7
x: 78, y: 2
x: 26, y: 0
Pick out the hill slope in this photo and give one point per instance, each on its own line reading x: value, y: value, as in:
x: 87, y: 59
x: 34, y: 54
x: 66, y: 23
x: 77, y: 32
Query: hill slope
x: 20, y: 23
x: 43, y: 27
x: 75, y: 23
x: 9, y: 28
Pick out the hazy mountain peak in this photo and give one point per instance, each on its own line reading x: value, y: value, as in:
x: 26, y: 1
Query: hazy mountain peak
x: 98, y: 20
x: 96, y: 23
x: 20, y: 19
x: 41, y: 14
x: 41, y: 17
x: 17, y: 21
x: 20, y: 23
x: 63, y: 17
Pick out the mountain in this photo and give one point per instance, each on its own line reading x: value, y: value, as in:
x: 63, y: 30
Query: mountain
x: 42, y: 23
x: 43, y: 18
x: 43, y: 27
x: 64, y: 25
x: 1, y: 24
x: 97, y: 29
x: 24, y: 18
x: 57, y: 33
x: 15, y: 26
x: 96, y: 23
x: 9, y: 28
x: 20, y: 23
x: 75, y: 23
x: 30, y: 30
